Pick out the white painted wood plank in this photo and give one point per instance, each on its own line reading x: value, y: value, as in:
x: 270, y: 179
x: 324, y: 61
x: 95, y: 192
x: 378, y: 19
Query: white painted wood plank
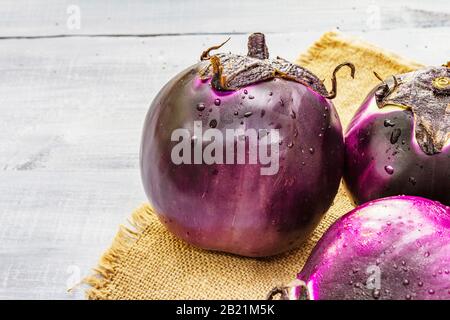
x: 55, y: 225
x: 71, y: 111
x: 39, y: 18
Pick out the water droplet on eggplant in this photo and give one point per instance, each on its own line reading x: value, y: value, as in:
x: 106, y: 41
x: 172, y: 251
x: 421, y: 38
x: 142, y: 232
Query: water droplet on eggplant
x: 376, y: 293
x: 213, y: 123
x: 389, y: 169
x: 389, y: 123
x: 395, y: 134
x: 293, y: 115
x: 201, y: 106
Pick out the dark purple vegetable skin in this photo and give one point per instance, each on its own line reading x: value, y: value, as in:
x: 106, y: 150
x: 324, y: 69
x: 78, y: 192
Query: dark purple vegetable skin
x: 233, y: 208
x: 383, y: 157
x: 404, y: 240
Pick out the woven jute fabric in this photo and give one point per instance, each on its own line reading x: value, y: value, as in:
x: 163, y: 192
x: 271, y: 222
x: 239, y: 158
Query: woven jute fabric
x: 146, y: 262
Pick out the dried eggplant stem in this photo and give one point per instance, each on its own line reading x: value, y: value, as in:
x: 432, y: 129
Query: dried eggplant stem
x: 333, y: 91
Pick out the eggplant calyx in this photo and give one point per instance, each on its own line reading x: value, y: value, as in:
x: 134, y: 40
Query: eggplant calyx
x: 239, y: 71
x: 426, y: 93
x: 333, y: 91
x: 296, y: 290
x: 383, y: 89
x: 218, y: 79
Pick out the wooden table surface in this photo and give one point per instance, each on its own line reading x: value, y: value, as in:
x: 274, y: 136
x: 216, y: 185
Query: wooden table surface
x: 76, y: 79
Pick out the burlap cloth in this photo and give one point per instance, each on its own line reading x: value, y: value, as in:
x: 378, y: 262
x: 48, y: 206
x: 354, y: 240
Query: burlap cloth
x: 146, y: 262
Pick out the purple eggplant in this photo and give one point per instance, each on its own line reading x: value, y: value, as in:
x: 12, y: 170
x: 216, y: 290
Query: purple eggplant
x: 392, y: 248
x: 399, y: 140
x: 230, y: 205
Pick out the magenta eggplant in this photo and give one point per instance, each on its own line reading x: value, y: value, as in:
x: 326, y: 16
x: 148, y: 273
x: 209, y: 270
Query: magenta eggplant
x: 227, y: 205
x: 394, y: 248
x: 399, y: 140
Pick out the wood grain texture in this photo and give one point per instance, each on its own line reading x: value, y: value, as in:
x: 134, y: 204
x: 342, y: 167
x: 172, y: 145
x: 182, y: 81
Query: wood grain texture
x: 116, y: 17
x: 71, y: 111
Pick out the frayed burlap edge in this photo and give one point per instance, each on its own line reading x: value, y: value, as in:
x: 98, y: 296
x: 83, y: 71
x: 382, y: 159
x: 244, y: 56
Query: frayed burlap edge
x: 124, y: 240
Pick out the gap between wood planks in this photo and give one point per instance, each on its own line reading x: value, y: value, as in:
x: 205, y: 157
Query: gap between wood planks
x: 138, y: 35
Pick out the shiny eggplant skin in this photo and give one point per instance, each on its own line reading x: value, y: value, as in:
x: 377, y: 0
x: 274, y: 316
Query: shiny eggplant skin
x: 383, y: 158
x: 396, y: 248
x: 232, y: 207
